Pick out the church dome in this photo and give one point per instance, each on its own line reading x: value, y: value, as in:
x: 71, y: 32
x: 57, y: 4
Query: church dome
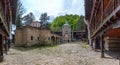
x: 66, y: 24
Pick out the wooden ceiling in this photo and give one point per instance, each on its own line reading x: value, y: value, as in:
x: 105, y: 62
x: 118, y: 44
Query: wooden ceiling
x: 10, y: 8
x: 113, y: 32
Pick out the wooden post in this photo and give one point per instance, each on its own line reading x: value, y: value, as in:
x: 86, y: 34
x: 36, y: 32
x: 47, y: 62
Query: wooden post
x: 102, y: 46
x: 1, y: 48
x: 102, y: 11
x: 94, y: 44
x: 101, y: 36
x: 55, y: 40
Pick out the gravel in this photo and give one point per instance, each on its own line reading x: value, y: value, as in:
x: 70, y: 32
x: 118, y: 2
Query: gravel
x: 75, y: 53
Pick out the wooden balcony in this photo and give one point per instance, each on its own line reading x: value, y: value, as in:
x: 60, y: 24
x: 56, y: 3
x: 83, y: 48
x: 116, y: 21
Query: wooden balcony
x: 111, y: 10
x: 113, y: 4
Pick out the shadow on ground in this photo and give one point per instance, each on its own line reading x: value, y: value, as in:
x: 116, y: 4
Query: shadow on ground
x: 22, y: 48
x: 113, y: 55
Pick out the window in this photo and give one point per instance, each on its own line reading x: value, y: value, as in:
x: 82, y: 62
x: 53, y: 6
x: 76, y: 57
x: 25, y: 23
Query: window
x: 31, y: 37
x: 48, y: 38
x: 38, y: 38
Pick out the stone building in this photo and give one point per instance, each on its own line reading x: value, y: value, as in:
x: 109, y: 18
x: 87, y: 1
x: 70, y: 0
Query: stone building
x: 35, y: 24
x: 66, y: 32
x: 28, y: 35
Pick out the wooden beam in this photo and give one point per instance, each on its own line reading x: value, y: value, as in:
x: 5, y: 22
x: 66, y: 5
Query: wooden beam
x: 105, y: 20
x: 3, y: 19
x: 102, y: 46
x: 92, y: 11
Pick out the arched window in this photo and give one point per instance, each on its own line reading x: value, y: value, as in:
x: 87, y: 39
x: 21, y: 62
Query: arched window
x: 38, y: 38
x: 31, y: 37
x: 48, y: 38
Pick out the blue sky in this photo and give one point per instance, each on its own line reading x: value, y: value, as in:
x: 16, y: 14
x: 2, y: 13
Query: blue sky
x: 54, y: 7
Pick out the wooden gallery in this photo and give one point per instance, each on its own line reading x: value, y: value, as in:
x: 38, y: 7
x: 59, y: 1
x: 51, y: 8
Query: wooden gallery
x: 7, y: 18
x: 103, y: 21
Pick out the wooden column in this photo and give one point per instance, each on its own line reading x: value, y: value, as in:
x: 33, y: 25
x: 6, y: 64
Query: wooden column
x: 102, y: 11
x: 102, y: 46
x: 1, y: 48
x: 94, y: 44
x: 101, y: 36
x: 72, y: 35
x: 55, y: 40
x: 114, y: 4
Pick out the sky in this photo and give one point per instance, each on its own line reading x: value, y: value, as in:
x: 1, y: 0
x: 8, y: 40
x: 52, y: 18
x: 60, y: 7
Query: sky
x: 54, y: 7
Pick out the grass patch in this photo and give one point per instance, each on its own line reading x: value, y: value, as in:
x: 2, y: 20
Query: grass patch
x: 37, y: 64
x: 43, y: 46
x: 84, y: 45
x: 40, y: 47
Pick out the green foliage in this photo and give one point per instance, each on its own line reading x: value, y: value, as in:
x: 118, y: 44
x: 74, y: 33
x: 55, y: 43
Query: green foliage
x: 20, y: 11
x: 59, y: 21
x: 85, y: 45
x: 75, y: 21
x: 44, y: 20
x: 81, y: 24
x: 29, y: 18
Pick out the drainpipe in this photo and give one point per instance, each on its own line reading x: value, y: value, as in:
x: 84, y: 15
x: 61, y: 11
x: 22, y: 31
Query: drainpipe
x: 88, y: 28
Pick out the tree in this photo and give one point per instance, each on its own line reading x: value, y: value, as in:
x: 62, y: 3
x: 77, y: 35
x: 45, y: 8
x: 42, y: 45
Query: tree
x: 59, y: 21
x: 29, y: 18
x: 20, y: 11
x: 44, y: 20
x: 80, y: 24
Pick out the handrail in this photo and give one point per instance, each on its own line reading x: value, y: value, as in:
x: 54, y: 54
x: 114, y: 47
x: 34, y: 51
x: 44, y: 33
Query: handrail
x: 92, y: 11
x: 112, y: 5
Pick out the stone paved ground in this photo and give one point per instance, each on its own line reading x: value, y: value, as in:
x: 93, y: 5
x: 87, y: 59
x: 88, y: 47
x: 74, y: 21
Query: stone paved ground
x: 64, y: 54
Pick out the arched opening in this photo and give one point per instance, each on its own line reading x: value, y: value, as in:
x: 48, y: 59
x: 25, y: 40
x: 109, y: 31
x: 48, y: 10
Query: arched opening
x: 31, y: 37
x: 53, y: 39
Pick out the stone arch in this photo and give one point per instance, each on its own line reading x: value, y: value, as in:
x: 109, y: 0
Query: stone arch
x: 53, y: 39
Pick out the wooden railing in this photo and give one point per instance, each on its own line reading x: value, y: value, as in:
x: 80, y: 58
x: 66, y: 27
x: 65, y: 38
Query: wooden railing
x: 94, y: 18
x: 109, y: 9
x: 112, y: 5
x: 117, y: 3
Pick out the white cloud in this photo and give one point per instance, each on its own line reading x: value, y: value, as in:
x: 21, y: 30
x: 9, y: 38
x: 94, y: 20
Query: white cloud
x: 74, y: 6
x: 54, y: 7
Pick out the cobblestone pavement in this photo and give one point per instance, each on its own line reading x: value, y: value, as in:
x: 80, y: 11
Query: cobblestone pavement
x: 65, y: 54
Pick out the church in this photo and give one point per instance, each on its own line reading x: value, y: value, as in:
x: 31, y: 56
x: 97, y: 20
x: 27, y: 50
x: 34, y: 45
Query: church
x: 68, y: 35
x: 66, y: 32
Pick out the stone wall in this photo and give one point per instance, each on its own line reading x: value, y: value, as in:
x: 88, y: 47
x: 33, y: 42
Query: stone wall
x: 47, y: 34
x: 112, y: 43
x: 32, y: 36
x: 19, y: 37
x: 27, y: 36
